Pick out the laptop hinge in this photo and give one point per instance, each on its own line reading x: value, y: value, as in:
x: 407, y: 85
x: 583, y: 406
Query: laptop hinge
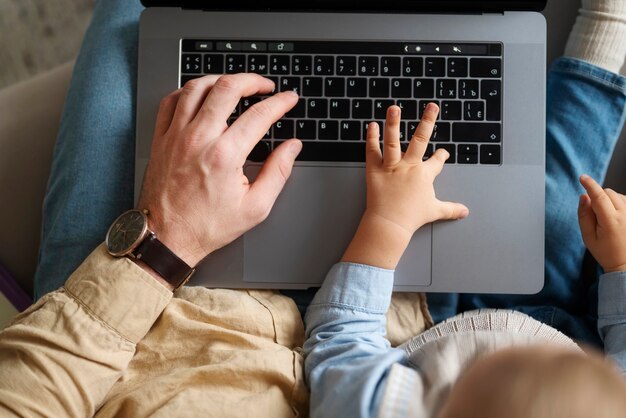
x: 389, y: 6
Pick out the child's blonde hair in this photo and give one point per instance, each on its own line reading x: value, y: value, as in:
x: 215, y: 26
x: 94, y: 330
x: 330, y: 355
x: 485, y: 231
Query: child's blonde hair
x: 538, y: 382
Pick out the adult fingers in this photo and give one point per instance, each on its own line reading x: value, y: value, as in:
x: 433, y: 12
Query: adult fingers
x: 586, y: 218
x: 392, y: 154
x: 271, y: 180
x: 600, y: 201
x: 167, y: 107
x: 192, y: 95
x: 423, y: 132
x: 224, y: 97
x: 373, y: 155
x: 250, y: 127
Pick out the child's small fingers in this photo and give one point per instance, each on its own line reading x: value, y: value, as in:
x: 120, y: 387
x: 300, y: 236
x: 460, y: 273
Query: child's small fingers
x: 392, y: 153
x: 373, y: 155
x: 600, y: 201
x: 449, y: 211
x: 437, y: 161
x: 586, y: 218
x: 422, y: 134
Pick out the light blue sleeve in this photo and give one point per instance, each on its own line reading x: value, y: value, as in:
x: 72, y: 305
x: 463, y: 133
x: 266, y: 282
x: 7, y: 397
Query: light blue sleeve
x: 347, y: 357
x: 612, y: 316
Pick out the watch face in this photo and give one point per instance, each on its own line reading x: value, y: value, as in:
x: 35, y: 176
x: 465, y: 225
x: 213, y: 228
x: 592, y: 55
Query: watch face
x: 126, y: 232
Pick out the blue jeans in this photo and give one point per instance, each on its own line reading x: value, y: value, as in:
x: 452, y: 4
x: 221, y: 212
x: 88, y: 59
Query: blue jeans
x: 92, y: 174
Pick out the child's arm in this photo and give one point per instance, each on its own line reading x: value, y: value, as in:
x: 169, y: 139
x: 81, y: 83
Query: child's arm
x: 348, y: 359
x: 602, y: 218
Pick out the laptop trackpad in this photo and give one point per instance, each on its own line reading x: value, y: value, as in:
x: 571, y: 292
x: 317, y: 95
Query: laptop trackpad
x: 310, y: 226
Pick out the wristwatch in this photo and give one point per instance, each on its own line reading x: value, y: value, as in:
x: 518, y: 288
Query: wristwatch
x: 129, y: 236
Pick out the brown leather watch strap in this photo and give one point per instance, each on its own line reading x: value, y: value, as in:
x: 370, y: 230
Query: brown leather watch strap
x: 160, y: 259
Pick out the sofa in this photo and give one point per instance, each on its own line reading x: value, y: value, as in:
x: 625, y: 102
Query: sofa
x: 29, y: 115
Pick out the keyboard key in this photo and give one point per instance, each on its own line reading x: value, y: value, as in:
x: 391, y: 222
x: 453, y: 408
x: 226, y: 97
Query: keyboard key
x: 423, y: 88
x: 298, y: 111
x: 490, y: 154
x: 390, y: 66
x: 257, y: 64
x: 253, y: 46
x: 451, y: 150
x: 248, y: 102
x: 328, y: 129
x: 380, y: 108
x: 191, y: 63
x: 324, y: 65
x: 312, y: 87
x: 490, y: 90
x: 412, y: 66
x: 362, y: 108
x: 339, y: 108
x: 451, y: 110
x: 357, y: 87
x: 235, y: 64
x: 409, y: 109
x: 276, y: 82
x: 305, y: 129
x: 302, y: 64
x: 435, y: 67
x: 486, y: 67
x: 279, y: 64
x: 283, y: 129
x: 441, y: 132
x: 379, y: 87
x: 474, y: 110
x: 468, y: 89
x: 446, y: 89
x: 350, y: 130
x: 214, y: 64
x: 260, y: 152
x: 346, y: 65
x: 334, y: 87
x: 457, y: 67
x: 280, y: 46
x: 476, y: 132
x: 368, y: 65
x: 331, y: 151
x: 228, y: 46
x: 317, y: 108
x: 401, y: 87
x: 467, y: 154
x: 290, y: 83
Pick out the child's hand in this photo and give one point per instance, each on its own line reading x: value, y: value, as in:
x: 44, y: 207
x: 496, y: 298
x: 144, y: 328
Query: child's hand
x: 400, y: 193
x: 602, y: 219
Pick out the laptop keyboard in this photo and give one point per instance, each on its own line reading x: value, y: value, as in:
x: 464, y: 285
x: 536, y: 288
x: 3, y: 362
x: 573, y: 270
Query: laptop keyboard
x: 345, y: 85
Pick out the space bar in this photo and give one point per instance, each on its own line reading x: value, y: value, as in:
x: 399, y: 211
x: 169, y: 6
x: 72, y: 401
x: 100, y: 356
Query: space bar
x: 331, y: 151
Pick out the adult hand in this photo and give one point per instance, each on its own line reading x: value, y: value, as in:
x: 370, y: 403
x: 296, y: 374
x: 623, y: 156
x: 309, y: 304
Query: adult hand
x: 400, y: 192
x: 197, y: 194
x: 602, y: 220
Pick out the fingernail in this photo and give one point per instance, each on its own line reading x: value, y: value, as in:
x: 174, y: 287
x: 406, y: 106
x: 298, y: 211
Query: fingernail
x: 394, y: 111
x: 292, y: 92
x: 464, y: 213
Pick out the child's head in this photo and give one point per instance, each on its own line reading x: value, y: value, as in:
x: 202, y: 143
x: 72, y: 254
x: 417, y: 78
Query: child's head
x: 538, y: 381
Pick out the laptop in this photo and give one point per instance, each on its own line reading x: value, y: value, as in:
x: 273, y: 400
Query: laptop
x: 483, y: 62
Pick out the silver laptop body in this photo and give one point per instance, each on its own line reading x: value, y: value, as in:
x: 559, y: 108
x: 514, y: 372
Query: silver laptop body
x: 499, y: 248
